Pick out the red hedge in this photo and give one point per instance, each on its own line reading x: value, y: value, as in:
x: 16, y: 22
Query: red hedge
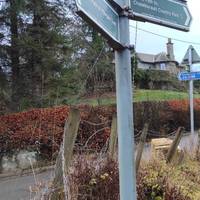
x: 183, y: 105
x: 43, y: 128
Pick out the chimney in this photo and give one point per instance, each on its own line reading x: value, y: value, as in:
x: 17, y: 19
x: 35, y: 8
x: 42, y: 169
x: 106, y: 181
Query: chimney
x: 170, y: 50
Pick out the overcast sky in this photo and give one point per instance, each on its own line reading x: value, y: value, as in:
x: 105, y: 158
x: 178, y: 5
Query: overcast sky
x: 149, y: 43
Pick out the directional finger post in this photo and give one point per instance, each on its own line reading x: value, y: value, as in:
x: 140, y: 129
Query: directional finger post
x: 111, y: 18
x: 119, y: 4
x: 171, y: 13
x: 115, y: 27
x: 103, y: 17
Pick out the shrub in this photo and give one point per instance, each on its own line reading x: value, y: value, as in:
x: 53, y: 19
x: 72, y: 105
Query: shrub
x: 156, y: 113
x: 97, y: 178
x: 157, y: 79
x: 181, y: 112
x: 42, y: 129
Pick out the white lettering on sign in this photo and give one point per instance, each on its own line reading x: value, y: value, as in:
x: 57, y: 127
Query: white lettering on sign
x: 104, y: 13
x: 153, y: 5
x: 144, y: 5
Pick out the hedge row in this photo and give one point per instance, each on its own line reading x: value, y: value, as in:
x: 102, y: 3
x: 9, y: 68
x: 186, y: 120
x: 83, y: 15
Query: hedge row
x: 43, y: 128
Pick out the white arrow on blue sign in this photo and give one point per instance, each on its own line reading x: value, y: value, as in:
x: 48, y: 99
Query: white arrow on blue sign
x: 188, y: 76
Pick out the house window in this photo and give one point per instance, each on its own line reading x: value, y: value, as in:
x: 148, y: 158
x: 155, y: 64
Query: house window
x: 162, y: 66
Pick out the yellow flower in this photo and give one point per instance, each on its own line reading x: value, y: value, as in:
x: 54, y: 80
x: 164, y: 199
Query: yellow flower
x: 104, y: 176
x: 93, y: 181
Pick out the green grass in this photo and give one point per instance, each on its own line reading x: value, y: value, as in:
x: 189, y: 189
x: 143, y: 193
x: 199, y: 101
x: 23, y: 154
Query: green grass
x: 159, y: 95
x: 139, y: 96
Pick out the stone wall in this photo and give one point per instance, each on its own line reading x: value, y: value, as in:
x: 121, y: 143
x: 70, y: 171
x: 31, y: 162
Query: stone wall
x: 20, y: 160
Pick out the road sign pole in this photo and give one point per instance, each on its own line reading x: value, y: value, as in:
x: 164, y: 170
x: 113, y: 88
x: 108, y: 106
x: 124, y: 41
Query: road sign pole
x: 125, y: 116
x: 191, y: 96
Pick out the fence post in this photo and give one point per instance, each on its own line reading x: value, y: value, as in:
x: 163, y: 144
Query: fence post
x: 141, y: 146
x: 172, y: 150
x: 66, y: 150
x: 197, y: 151
x: 113, y: 137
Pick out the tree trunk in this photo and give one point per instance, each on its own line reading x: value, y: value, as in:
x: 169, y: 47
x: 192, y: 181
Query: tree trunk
x: 14, y: 56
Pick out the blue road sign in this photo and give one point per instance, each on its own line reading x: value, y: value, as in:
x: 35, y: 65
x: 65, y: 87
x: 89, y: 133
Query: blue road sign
x: 188, y: 76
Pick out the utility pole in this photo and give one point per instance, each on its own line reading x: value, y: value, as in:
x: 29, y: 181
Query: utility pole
x: 125, y: 112
x: 191, y: 94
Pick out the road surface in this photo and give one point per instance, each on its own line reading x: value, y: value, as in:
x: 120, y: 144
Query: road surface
x: 18, y: 188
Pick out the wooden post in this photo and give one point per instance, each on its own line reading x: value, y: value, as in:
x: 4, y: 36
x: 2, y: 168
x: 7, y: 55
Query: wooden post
x: 198, y: 145
x: 141, y: 146
x: 172, y: 150
x: 66, y: 150
x: 57, y: 181
x: 113, y: 137
x: 198, y: 138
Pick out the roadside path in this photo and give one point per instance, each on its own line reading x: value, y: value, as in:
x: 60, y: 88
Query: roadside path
x: 18, y: 188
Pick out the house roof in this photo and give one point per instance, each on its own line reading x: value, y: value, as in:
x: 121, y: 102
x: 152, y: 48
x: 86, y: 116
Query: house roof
x: 161, y: 57
x: 150, y: 58
x: 143, y: 57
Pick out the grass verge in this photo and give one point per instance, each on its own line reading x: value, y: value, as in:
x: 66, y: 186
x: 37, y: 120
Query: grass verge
x: 139, y: 96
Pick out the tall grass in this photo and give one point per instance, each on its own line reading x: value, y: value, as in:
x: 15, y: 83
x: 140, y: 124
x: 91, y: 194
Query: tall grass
x: 94, y: 178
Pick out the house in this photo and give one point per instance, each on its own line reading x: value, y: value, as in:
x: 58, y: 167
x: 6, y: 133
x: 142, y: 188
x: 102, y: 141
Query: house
x: 161, y: 61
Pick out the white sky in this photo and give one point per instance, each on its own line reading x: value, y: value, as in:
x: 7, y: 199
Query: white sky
x: 148, y: 43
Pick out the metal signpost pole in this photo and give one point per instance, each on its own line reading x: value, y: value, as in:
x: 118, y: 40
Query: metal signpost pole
x: 191, y: 96
x: 125, y: 115
x: 112, y: 20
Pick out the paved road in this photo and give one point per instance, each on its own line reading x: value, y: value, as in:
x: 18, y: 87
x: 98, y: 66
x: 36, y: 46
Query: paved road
x: 18, y: 188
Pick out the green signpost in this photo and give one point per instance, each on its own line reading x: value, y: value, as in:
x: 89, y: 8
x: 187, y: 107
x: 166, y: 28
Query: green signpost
x: 171, y: 13
x: 103, y: 17
x: 119, y: 4
x: 115, y: 27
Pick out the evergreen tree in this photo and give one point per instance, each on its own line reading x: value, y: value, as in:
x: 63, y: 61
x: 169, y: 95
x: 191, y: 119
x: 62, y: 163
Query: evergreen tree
x: 47, y: 52
x: 44, y: 46
x: 9, y: 25
x: 38, y: 47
